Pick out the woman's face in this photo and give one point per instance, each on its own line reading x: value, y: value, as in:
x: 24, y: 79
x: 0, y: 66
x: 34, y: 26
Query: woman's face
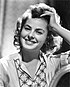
x: 34, y: 33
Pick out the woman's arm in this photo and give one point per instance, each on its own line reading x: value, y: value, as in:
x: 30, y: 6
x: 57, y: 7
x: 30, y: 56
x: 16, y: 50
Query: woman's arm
x: 56, y: 27
x: 62, y: 32
x: 55, y: 23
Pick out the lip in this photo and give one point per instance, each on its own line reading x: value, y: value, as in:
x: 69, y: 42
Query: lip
x: 29, y: 42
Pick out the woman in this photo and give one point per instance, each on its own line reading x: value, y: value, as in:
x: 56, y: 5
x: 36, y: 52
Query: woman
x: 36, y: 38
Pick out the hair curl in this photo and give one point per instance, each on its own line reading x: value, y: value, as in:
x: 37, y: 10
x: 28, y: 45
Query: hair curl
x: 53, y: 41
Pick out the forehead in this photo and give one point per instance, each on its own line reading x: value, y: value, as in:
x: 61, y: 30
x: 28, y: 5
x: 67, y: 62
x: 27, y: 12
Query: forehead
x: 37, y: 22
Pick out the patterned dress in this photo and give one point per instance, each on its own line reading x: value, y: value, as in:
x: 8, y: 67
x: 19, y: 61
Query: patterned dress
x: 13, y: 72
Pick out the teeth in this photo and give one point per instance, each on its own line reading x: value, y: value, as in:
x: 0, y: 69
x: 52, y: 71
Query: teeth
x: 33, y: 41
x: 30, y: 40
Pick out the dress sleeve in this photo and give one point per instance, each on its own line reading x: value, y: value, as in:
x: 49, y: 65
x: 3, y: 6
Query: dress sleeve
x: 65, y: 58
x: 3, y: 77
x: 1, y: 83
x: 60, y: 60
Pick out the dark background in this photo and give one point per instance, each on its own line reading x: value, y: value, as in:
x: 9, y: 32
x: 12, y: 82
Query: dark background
x: 63, y: 9
x: 64, y: 80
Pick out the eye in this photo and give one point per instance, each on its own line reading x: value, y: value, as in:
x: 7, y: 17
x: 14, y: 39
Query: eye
x: 39, y: 32
x: 27, y: 28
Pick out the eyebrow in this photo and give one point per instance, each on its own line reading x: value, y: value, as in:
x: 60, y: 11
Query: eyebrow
x: 27, y: 26
x: 36, y: 28
x: 40, y: 29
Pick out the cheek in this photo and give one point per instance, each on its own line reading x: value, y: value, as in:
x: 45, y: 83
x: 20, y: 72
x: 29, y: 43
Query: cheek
x: 24, y: 33
x: 42, y: 39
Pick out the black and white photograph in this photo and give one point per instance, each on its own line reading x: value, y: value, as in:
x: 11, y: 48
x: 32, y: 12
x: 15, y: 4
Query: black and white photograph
x: 34, y: 43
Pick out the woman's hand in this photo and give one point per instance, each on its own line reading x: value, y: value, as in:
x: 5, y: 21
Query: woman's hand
x: 54, y: 17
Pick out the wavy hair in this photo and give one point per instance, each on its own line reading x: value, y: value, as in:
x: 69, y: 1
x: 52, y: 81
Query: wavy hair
x: 53, y: 40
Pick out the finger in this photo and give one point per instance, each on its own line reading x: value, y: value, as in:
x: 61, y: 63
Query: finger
x: 53, y: 10
x: 43, y: 5
x: 47, y: 13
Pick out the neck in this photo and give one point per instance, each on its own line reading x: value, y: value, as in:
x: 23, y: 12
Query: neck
x: 28, y: 55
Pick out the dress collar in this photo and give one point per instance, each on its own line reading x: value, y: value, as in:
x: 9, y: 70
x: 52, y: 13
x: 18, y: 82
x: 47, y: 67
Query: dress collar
x: 41, y: 61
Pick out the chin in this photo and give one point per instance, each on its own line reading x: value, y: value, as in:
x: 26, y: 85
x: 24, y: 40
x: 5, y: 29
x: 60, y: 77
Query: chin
x: 31, y: 47
x: 34, y: 46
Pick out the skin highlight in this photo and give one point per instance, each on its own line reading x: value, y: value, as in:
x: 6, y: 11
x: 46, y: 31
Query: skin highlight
x: 37, y: 29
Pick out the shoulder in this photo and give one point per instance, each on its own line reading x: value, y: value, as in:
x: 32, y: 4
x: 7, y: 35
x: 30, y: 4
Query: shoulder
x: 57, y: 58
x: 7, y: 64
x: 62, y: 58
x: 63, y: 54
x: 8, y: 59
x: 66, y: 53
x: 51, y: 60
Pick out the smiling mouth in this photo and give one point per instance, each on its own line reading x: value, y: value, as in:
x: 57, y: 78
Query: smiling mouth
x: 30, y: 41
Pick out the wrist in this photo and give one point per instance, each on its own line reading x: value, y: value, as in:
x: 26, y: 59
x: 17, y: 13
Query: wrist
x: 56, y: 27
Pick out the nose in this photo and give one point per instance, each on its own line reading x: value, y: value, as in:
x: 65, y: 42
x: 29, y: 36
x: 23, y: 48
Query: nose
x: 31, y: 35
x: 30, y: 38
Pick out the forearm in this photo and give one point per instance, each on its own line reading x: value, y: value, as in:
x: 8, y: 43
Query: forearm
x: 63, y: 32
